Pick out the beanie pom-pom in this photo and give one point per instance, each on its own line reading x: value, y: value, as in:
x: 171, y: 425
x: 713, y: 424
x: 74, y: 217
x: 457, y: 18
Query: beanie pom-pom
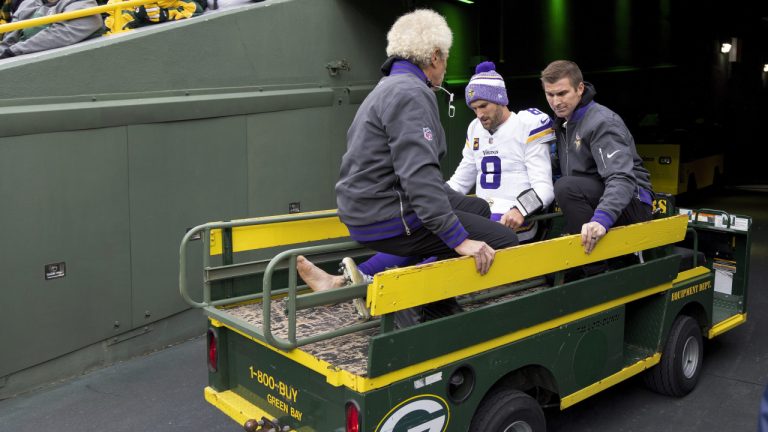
x: 485, y: 66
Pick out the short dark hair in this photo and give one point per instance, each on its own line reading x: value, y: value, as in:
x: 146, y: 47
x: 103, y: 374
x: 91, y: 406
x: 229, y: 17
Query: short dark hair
x: 560, y: 69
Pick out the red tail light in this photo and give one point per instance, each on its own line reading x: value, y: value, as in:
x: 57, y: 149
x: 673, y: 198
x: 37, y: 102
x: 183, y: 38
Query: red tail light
x: 353, y: 417
x: 213, y: 353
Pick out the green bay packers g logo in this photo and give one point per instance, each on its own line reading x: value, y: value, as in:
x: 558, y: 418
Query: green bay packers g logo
x: 423, y: 413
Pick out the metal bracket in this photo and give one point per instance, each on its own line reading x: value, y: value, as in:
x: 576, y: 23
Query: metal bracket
x: 129, y: 335
x: 337, y: 65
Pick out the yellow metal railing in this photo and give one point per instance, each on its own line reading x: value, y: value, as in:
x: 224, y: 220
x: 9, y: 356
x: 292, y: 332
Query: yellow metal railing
x: 66, y: 16
x: 398, y: 289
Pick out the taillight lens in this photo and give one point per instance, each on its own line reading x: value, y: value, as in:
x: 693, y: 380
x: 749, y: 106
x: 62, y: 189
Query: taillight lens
x: 353, y: 417
x: 213, y: 353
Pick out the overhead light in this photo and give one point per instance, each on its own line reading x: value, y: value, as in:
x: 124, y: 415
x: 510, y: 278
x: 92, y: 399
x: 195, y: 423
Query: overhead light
x: 725, y: 48
x: 765, y: 67
x: 467, y: 1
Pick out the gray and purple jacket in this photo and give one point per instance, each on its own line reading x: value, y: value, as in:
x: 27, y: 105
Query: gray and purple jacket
x: 595, y: 142
x: 390, y: 181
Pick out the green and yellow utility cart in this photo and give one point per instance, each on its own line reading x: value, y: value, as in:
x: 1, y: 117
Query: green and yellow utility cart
x: 283, y: 358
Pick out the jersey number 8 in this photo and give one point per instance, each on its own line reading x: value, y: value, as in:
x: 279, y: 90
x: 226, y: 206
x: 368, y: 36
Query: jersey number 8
x: 491, y: 168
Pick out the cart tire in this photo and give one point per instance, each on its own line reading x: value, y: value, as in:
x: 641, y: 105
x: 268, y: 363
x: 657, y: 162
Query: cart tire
x: 680, y: 367
x: 509, y: 411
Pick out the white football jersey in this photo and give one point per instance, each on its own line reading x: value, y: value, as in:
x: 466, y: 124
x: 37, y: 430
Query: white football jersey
x: 502, y: 165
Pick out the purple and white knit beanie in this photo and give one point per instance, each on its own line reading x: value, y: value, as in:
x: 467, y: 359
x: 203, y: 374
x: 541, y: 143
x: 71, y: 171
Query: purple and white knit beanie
x: 486, y: 84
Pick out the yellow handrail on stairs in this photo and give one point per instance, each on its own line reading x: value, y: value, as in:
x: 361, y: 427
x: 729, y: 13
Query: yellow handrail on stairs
x: 66, y: 16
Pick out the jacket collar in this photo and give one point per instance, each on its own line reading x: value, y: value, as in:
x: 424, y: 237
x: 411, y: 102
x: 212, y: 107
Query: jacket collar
x: 398, y: 66
x: 583, y: 106
x: 586, y: 102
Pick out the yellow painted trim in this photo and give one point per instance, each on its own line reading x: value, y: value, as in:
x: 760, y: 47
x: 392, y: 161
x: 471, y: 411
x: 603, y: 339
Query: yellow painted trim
x: 235, y: 406
x: 726, y: 325
x: 339, y: 377
x: 691, y: 273
x: 251, y: 237
x: 333, y: 375
x: 614, y: 379
x: 406, y: 287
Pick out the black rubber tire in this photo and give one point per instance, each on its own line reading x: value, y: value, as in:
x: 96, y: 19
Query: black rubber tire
x: 679, y: 370
x: 509, y: 411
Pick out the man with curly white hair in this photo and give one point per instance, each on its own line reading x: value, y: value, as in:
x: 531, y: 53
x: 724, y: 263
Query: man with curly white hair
x: 391, y: 193
x: 423, y: 38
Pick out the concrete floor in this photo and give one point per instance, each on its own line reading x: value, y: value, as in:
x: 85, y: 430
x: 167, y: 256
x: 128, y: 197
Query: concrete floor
x: 159, y: 392
x: 164, y: 391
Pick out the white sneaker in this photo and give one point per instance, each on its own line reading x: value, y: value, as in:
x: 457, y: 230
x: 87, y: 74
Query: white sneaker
x: 355, y: 277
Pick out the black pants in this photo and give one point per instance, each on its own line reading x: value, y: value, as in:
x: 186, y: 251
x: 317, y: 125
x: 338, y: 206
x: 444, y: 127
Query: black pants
x: 474, y: 214
x: 578, y: 198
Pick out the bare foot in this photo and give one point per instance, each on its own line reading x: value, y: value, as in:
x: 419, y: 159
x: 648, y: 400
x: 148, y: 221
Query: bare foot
x: 315, y: 277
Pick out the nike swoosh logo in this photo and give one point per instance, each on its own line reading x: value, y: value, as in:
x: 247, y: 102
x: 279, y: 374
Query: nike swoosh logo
x: 544, y: 120
x: 610, y: 155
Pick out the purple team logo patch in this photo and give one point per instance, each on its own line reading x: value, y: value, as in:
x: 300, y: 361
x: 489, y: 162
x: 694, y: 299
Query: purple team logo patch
x: 428, y: 134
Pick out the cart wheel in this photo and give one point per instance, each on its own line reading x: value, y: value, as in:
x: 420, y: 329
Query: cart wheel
x: 509, y: 411
x: 680, y: 367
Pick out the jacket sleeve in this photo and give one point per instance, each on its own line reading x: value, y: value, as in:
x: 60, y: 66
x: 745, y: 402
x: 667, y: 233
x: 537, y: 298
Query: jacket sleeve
x: 9, y: 39
x: 538, y: 163
x: 611, y: 147
x: 539, y: 168
x: 5, y: 11
x: 22, y: 12
x: 465, y: 176
x: 762, y: 425
x: 414, y: 131
x: 62, y: 33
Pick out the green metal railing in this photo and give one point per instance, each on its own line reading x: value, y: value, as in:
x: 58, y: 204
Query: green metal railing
x: 284, y: 260
x: 235, y: 270
x: 295, y: 300
x: 695, y: 235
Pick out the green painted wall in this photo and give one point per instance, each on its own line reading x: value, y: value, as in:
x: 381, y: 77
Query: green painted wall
x: 64, y: 199
x: 111, y: 149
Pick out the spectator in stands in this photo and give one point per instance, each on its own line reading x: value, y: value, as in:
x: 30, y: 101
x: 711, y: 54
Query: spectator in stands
x: 7, y: 8
x: 49, y: 36
x: 5, y: 11
x: 154, y: 13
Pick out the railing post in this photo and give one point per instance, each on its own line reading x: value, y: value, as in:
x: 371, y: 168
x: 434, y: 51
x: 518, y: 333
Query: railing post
x: 228, y: 258
x: 118, y: 21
